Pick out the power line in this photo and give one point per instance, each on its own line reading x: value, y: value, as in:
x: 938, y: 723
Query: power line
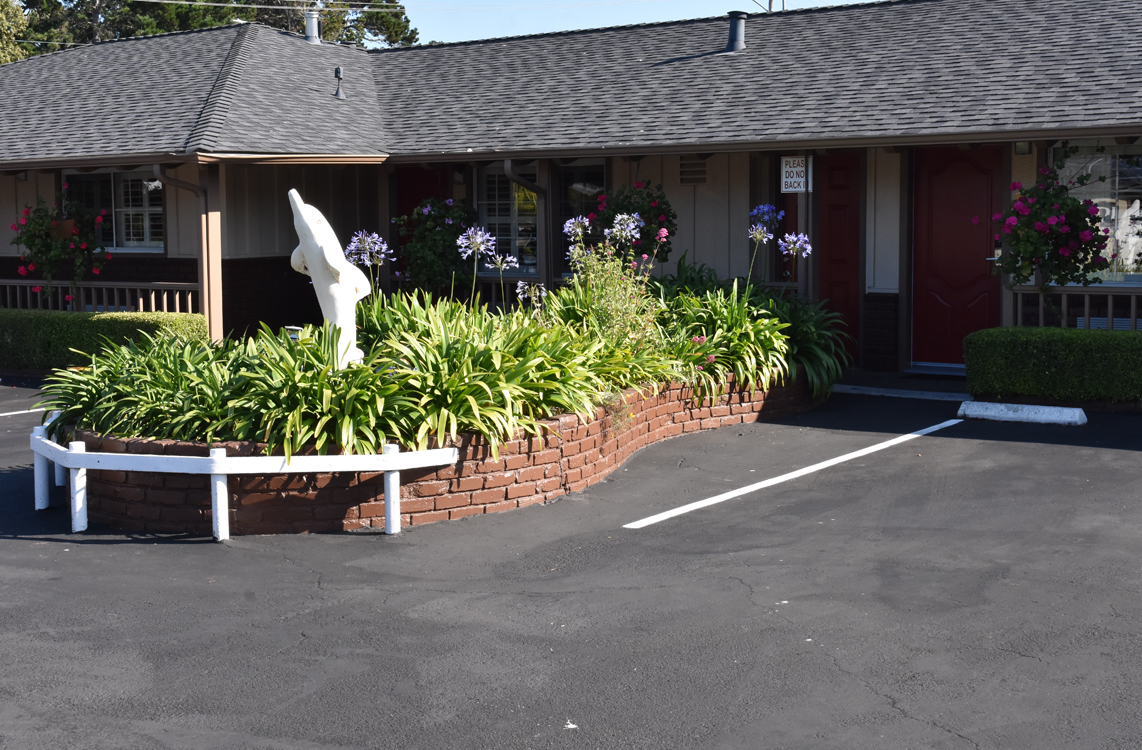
x: 310, y: 5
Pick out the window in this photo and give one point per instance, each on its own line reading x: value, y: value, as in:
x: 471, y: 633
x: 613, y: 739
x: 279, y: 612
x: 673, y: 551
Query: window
x: 579, y: 184
x: 508, y: 211
x: 1119, y: 200
x: 134, y: 205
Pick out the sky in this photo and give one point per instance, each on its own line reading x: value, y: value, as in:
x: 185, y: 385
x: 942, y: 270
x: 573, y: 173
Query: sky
x: 462, y: 20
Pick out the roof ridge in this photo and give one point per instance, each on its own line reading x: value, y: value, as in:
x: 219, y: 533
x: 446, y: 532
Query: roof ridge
x: 651, y: 24
x: 214, y: 113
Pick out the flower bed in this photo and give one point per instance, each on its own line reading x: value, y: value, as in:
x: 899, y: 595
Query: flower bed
x: 572, y: 455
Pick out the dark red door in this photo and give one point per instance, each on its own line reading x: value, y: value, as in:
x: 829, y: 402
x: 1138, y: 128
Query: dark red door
x: 838, y: 237
x: 954, y: 291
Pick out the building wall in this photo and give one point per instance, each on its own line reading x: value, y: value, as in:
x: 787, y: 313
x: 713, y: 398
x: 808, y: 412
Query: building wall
x: 257, y: 220
x: 713, y: 218
x: 884, y: 246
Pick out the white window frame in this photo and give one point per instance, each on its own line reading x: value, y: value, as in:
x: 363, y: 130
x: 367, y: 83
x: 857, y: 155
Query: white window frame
x: 114, y: 211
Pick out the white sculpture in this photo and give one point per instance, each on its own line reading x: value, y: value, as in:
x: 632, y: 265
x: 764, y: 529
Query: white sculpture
x: 338, y: 283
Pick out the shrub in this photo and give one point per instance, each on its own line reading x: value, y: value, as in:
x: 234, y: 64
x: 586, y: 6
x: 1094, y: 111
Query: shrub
x: 43, y: 339
x: 429, y: 252
x: 652, y: 207
x: 1054, y: 363
x: 59, y: 242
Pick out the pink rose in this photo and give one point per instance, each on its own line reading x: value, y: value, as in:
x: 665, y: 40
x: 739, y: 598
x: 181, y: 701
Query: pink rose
x: 31, y: 266
x: 654, y: 204
x: 27, y: 212
x: 22, y: 270
x: 1040, y: 226
x: 1064, y: 251
x: 638, y: 185
x: 975, y: 220
x: 1052, y: 220
x: 1086, y: 235
x: 95, y: 271
x: 69, y: 297
x: 1064, y: 229
x: 997, y: 238
x: 662, y: 234
x: 1017, y: 186
x: 1093, y: 210
x: 23, y: 221
x: 662, y: 217
x: 37, y: 289
x: 997, y: 217
x: 710, y: 358
x: 83, y: 246
x: 98, y: 219
x: 103, y: 212
x: 590, y: 217
x: 1011, y: 221
x: 65, y: 186
x: 14, y: 227
x: 107, y: 256
x: 75, y: 230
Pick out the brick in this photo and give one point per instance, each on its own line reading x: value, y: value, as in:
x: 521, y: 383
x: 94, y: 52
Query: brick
x: 691, y: 426
x: 181, y: 515
x: 488, y: 467
x: 145, y: 479
x: 117, y: 477
x: 549, y: 484
x: 574, y: 462
x: 710, y: 423
x: 552, y: 470
x: 417, y: 504
x: 444, y: 502
x: 471, y: 510
x: 145, y: 447
x: 674, y: 429
x: 129, y: 493
x: 353, y: 524
x: 430, y: 489
x: 185, y: 481
x: 719, y: 411
x: 332, y: 513
x: 512, y: 463
x: 572, y: 448
x: 113, y: 445
x: 368, y: 510
x: 145, y: 512
x: 112, y: 507
x: 573, y: 475
x: 533, y: 500
x: 492, y: 481
x: 530, y: 474
x: 548, y: 456
x: 577, y: 486
x: 497, y: 507
x: 252, y: 498
x: 519, y: 490
x: 467, y: 484
x: 421, y: 518
x: 488, y: 496
x: 166, y: 497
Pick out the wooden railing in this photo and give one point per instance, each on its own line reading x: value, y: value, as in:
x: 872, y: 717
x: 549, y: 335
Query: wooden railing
x: 1095, y: 307
x: 94, y: 296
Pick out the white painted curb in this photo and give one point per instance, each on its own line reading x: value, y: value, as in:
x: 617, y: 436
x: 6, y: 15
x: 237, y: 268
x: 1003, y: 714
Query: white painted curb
x: 1022, y: 413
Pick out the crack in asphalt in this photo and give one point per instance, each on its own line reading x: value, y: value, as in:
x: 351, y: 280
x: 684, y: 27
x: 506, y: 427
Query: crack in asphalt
x: 895, y: 706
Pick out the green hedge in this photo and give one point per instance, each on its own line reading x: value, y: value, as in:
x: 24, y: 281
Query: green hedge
x: 43, y: 339
x: 1055, y: 363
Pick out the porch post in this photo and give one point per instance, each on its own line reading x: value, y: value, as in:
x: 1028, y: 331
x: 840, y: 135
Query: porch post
x: 210, y: 252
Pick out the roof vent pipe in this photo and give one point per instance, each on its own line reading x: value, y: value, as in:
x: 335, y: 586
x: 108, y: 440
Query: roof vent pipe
x: 312, y: 32
x: 737, y: 31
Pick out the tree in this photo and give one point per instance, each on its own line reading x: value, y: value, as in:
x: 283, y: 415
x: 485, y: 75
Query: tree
x: 85, y: 21
x: 12, y: 26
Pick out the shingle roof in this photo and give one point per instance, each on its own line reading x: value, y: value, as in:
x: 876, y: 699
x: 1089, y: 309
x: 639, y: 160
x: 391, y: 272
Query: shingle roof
x: 890, y: 69
x: 895, y: 69
x: 239, y: 88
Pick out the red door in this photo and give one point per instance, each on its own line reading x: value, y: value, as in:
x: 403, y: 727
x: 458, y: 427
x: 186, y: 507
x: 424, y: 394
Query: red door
x: 954, y: 291
x: 838, y: 237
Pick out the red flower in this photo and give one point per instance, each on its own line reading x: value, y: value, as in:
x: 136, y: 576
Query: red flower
x: 75, y: 230
x: 69, y: 297
x: 23, y: 221
x: 590, y: 217
x: 95, y: 271
x: 22, y: 270
x: 638, y: 185
x: 653, y: 204
x: 103, y: 212
x: 107, y: 256
x: 53, y: 222
x: 662, y: 218
x: 31, y: 266
x: 83, y: 246
x: 65, y: 186
x: 98, y: 219
x: 71, y: 245
x: 975, y: 220
x: 15, y: 228
x: 37, y: 289
x: 27, y: 212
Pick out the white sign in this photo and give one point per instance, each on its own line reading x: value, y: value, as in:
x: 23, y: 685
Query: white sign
x: 796, y: 174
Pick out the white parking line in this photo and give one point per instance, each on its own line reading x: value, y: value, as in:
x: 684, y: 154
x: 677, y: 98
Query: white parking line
x: 14, y: 413
x: 787, y: 477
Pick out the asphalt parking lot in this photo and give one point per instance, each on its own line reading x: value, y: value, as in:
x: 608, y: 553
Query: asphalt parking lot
x: 980, y: 587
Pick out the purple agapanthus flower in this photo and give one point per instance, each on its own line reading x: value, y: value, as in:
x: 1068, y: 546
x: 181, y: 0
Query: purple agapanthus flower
x: 503, y: 262
x: 367, y: 248
x: 625, y: 229
x: 427, y: 210
x: 759, y: 234
x: 767, y: 215
x: 576, y: 228
x: 795, y: 244
x: 448, y: 202
x: 476, y: 240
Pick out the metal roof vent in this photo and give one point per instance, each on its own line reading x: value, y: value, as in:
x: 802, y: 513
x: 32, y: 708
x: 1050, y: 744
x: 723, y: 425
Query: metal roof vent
x: 737, y: 31
x: 312, y: 27
x: 339, y: 74
x: 692, y: 169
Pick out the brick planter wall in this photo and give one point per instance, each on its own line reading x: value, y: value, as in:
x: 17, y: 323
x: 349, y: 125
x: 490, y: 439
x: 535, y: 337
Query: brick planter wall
x: 572, y: 455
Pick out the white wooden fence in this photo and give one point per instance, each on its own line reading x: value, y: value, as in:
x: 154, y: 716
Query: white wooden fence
x: 218, y: 465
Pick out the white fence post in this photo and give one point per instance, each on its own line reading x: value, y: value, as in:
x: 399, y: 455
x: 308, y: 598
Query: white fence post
x: 392, y: 494
x: 220, y: 500
x: 61, y: 477
x: 78, y: 492
x: 41, y: 472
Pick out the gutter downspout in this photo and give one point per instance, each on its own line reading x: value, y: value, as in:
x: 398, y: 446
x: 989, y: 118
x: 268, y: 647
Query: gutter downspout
x: 209, y: 260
